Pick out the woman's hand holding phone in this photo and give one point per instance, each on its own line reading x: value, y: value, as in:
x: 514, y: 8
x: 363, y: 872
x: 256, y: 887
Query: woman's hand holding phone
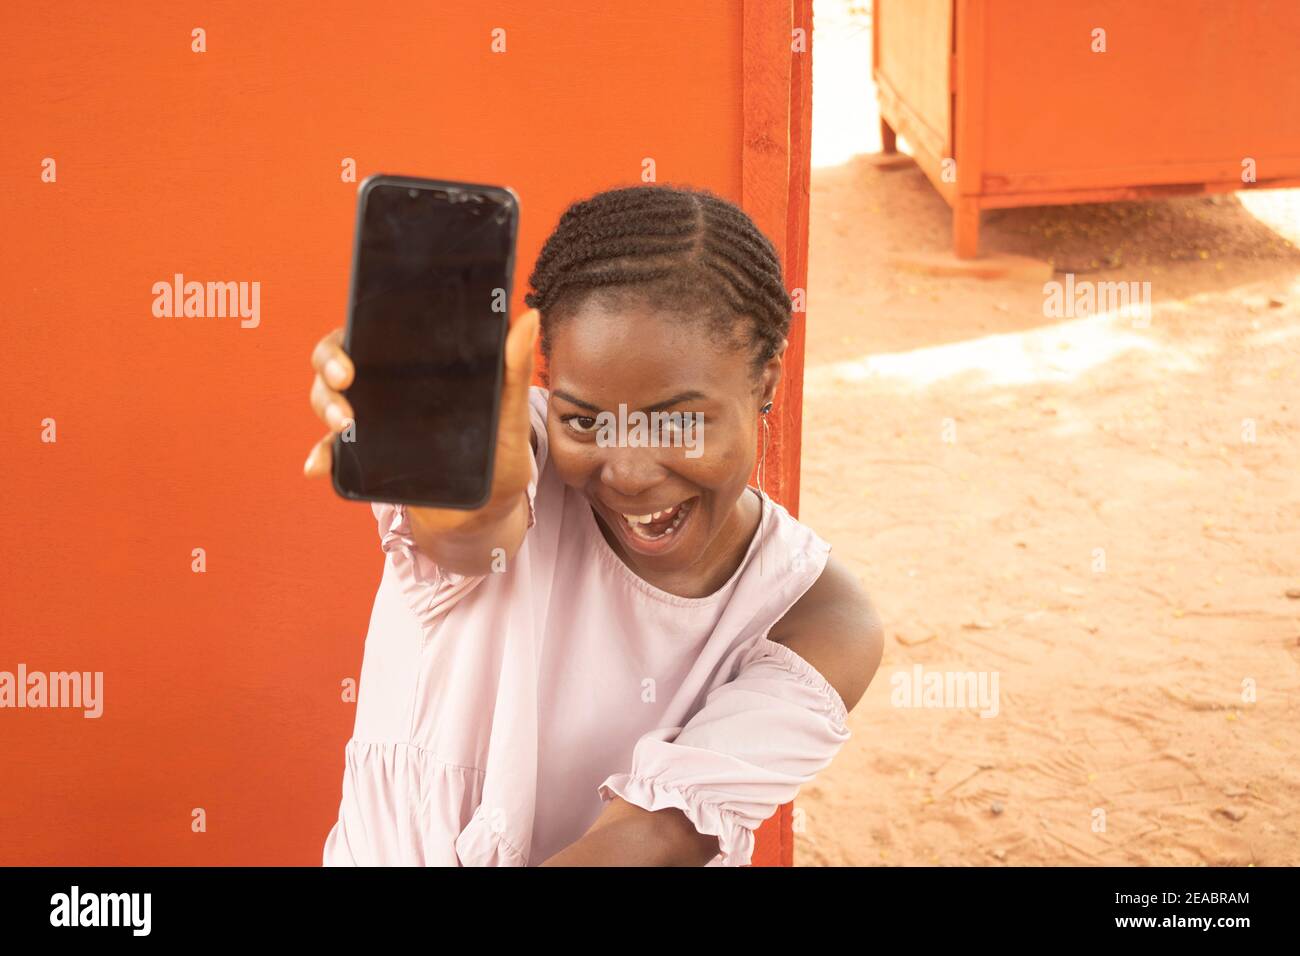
x: 458, y: 539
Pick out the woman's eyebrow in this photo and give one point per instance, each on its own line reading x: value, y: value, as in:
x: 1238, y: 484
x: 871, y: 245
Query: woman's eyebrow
x: 687, y: 396
x: 575, y: 401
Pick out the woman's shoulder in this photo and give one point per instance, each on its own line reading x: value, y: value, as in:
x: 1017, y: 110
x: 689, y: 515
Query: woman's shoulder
x: 834, y: 626
x: 802, y: 547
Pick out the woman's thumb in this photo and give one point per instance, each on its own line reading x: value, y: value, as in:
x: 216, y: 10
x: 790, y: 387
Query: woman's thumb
x: 520, y: 342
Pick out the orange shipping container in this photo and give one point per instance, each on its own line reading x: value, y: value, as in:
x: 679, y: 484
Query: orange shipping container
x: 1010, y: 103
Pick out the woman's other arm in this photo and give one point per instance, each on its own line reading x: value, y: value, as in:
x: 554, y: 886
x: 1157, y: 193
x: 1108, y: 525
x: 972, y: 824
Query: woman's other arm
x: 627, y: 835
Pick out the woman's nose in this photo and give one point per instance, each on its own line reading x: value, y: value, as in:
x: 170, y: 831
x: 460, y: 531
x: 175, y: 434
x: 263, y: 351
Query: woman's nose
x: 631, y: 471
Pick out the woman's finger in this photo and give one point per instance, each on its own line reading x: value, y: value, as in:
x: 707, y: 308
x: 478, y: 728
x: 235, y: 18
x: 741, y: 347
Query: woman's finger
x: 331, y: 362
x: 321, y: 458
x: 334, y: 410
x: 520, y: 343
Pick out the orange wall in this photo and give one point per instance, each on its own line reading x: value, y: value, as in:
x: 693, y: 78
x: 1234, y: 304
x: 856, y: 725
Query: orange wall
x: 222, y: 689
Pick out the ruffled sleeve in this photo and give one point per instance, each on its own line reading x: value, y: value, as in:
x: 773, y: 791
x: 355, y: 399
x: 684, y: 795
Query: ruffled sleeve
x: 438, y: 585
x: 756, y: 741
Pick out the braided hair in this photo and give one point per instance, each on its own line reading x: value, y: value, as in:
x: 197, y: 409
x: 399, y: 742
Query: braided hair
x: 681, y: 250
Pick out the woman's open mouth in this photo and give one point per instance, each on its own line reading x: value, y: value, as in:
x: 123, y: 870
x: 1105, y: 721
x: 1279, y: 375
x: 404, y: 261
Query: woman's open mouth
x: 657, y: 531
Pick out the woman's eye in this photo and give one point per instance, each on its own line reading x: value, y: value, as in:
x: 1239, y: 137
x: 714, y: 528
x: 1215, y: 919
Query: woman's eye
x: 678, y: 425
x: 582, y: 424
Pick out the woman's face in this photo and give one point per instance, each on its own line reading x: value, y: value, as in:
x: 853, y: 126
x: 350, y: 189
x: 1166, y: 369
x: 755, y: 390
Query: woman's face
x: 645, y: 361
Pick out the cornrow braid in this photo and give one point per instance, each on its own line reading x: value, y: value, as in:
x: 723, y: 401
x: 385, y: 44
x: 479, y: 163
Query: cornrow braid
x: 681, y: 249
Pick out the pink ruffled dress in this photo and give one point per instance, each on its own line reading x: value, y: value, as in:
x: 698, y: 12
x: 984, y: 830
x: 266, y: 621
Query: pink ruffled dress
x: 497, y: 713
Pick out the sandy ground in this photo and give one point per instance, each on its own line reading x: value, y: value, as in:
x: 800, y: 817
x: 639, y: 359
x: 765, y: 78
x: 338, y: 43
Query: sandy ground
x: 1104, y: 515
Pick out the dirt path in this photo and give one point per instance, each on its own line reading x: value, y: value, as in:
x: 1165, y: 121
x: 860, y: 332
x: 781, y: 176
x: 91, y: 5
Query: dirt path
x: 1104, y: 515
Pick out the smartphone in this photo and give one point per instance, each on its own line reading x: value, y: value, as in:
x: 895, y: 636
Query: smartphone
x: 432, y: 266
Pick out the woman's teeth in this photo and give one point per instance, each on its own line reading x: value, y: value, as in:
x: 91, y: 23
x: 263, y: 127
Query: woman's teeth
x: 653, y: 516
x: 677, y: 512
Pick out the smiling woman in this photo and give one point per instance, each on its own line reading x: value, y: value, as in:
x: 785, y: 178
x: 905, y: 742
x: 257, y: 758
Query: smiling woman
x: 666, y: 655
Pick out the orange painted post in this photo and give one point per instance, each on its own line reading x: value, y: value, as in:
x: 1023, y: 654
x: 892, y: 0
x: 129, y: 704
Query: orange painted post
x: 776, y: 165
x: 1052, y: 103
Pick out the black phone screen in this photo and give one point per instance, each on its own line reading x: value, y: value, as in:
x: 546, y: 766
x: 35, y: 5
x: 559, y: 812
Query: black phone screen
x: 426, y: 332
